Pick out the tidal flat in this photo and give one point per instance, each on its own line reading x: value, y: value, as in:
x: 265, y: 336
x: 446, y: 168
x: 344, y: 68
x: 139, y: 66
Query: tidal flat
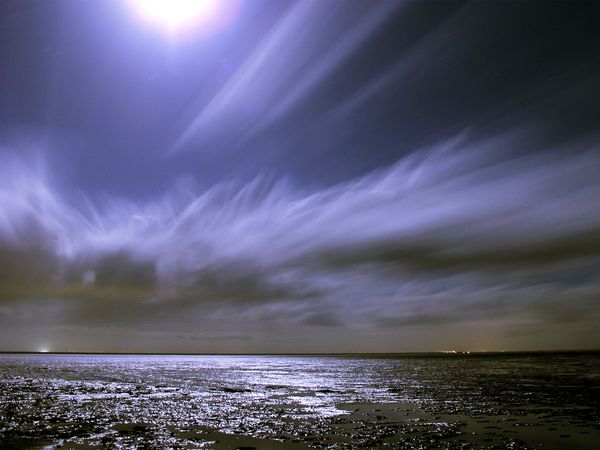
x: 517, y: 401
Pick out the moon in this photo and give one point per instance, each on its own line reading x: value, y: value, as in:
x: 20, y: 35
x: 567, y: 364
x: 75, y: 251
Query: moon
x: 175, y: 16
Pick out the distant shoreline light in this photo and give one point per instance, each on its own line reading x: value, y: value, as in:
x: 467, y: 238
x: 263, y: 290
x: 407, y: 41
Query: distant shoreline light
x: 455, y: 352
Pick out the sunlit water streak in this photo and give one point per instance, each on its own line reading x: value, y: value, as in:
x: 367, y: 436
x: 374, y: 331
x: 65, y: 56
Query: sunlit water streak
x: 398, y: 402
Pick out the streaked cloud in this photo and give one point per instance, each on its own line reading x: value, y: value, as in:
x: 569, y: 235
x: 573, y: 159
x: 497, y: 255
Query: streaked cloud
x: 461, y: 232
x: 302, y: 49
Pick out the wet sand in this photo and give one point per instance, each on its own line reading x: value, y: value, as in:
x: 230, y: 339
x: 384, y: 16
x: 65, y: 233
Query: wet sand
x: 368, y: 425
x: 299, y: 402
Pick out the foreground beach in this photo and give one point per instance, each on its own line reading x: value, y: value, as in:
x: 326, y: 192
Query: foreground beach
x: 279, y: 402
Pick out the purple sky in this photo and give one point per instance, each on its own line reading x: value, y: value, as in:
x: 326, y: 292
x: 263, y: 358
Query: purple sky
x: 340, y: 176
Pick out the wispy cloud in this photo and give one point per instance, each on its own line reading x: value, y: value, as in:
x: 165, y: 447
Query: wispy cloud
x: 301, y: 50
x: 463, y: 231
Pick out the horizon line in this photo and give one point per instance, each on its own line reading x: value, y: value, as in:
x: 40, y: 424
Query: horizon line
x: 448, y: 353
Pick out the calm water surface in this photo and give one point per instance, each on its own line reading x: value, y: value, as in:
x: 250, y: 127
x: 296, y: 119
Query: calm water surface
x: 499, y: 401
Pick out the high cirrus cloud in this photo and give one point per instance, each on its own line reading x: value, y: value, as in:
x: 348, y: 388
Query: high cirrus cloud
x: 457, y: 232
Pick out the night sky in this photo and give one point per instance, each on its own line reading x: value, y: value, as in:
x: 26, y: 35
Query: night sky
x: 310, y: 176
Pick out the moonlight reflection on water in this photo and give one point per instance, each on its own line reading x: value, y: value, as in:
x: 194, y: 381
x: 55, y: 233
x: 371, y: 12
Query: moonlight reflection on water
x: 299, y: 402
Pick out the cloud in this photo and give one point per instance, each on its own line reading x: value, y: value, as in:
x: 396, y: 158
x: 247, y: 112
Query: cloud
x: 463, y: 231
x: 307, y: 44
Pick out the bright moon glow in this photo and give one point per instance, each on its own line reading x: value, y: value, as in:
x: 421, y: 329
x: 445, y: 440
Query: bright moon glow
x: 177, y: 15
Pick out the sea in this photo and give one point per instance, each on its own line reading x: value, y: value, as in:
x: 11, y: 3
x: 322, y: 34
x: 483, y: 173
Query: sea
x: 403, y: 401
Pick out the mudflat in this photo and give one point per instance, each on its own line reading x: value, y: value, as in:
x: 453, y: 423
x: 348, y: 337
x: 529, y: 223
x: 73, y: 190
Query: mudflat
x: 541, y: 400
